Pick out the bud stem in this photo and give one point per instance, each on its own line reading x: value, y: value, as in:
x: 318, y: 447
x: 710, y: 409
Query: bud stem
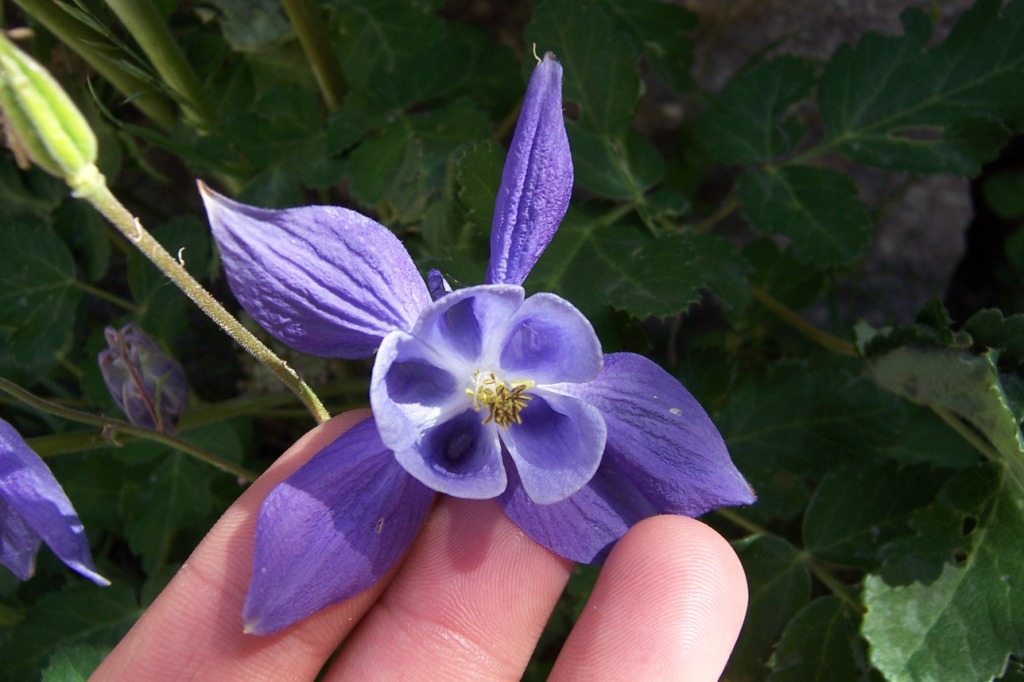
x: 92, y: 187
x: 118, y: 426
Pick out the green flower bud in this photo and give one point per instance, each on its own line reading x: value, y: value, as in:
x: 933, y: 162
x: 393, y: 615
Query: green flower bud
x: 49, y: 127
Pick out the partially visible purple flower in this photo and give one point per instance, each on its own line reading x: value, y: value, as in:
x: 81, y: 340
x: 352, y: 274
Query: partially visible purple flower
x: 33, y: 510
x: 481, y: 392
x: 149, y: 387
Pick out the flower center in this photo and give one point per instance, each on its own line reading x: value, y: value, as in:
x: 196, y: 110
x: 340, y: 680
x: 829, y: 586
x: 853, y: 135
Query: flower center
x: 504, y: 400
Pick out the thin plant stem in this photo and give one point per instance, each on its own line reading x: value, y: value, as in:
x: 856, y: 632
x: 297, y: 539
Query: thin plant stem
x: 309, y: 26
x: 115, y: 426
x: 143, y: 22
x: 835, y: 586
x: 106, y: 296
x: 979, y: 443
x: 794, y: 320
x: 93, y: 188
x: 619, y: 211
x: 742, y: 521
x: 105, y: 58
x: 264, y: 404
x: 720, y: 214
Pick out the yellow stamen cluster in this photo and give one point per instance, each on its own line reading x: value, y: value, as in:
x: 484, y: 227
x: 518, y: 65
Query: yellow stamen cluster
x: 504, y: 400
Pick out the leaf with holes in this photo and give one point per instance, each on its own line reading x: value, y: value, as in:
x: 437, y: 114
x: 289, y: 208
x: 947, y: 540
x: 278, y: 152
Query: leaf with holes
x: 952, y: 612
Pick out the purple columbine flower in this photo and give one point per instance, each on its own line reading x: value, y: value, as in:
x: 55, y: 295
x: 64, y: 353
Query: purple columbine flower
x: 481, y: 392
x: 149, y: 387
x: 33, y: 510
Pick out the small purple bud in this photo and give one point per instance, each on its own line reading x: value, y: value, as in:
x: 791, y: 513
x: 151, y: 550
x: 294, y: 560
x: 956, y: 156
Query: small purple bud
x: 149, y: 387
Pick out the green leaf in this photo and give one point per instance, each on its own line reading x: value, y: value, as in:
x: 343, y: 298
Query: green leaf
x: 74, y: 664
x: 754, y: 118
x: 894, y: 103
x: 816, y: 208
x: 457, y: 228
x: 925, y: 438
x: 857, y: 509
x: 779, y: 585
x: 1004, y: 193
x: 252, y: 24
x: 384, y: 45
x: 85, y: 232
x: 405, y: 165
x: 38, y: 296
x: 598, y: 59
x: 82, y: 615
x: 664, y: 31
x: 615, y: 167
x: 789, y: 428
x: 595, y: 265
x: 175, y: 495
x: 820, y: 644
x: 28, y: 195
x: 990, y: 330
x: 966, y: 385
x: 963, y: 623
x: 792, y: 282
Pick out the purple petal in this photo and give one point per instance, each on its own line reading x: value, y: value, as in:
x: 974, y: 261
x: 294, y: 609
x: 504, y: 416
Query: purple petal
x: 460, y: 457
x: 462, y: 321
x: 322, y: 279
x: 536, y: 182
x: 29, y: 491
x: 18, y: 544
x: 557, y: 448
x: 551, y: 341
x: 661, y: 438
x: 332, y: 530
x: 411, y: 390
x: 584, y: 527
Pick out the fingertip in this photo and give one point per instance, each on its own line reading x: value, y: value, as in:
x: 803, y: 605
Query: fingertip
x: 669, y: 604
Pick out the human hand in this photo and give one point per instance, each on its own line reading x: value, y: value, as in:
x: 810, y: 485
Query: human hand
x: 468, y: 602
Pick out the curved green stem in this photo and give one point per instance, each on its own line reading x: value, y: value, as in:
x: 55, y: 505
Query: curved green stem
x: 112, y: 427
x: 968, y: 434
x: 106, y: 296
x: 93, y: 188
x: 835, y: 586
x: 309, y: 25
x: 104, y: 57
x: 720, y: 213
x: 143, y: 22
x: 801, y: 325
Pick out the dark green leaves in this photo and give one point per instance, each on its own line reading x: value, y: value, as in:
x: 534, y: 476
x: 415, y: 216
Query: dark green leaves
x: 78, y: 616
x: 753, y: 118
x: 816, y: 208
x: 779, y: 585
x: 38, y: 295
x: 600, y: 74
x: 894, y: 103
x: 596, y: 265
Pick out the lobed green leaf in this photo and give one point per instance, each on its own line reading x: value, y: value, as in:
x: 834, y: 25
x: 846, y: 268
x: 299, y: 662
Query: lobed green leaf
x: 894, y: 103
x: 816, y: 208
